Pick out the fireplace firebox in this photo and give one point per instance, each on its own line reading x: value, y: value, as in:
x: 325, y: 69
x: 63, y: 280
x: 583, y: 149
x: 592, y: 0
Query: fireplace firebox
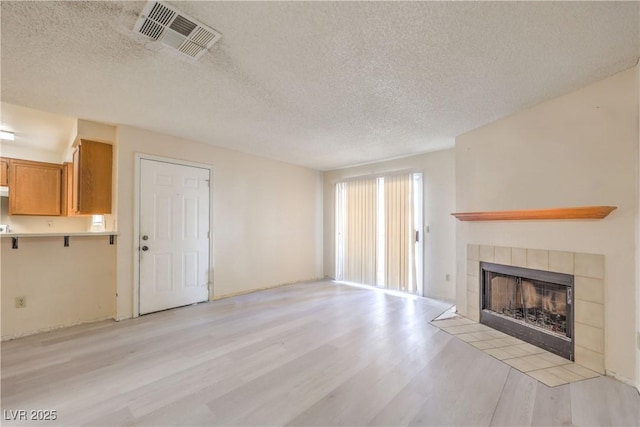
x: 532, y: 305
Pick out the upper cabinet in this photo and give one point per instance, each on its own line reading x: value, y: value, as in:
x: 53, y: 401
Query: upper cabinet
x: 79, y: 188
x: 4, y: 172
x: 91, y: 178
x: 35, y: 188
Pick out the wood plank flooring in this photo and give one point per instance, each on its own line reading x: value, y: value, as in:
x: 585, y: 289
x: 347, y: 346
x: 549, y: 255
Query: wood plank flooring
x: 310, y: 354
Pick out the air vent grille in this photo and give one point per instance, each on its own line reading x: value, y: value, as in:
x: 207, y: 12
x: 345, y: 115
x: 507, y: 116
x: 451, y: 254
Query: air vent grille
x: 164, y: 23
x: 190, y: 48
x: 202, y: 36
x: 151, y: 29
x: 161, y: 14
x: 182, y: 25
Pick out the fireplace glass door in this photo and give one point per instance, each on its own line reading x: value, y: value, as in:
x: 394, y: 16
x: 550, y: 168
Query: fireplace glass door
x: 533, y: 302
x: 535, y: 306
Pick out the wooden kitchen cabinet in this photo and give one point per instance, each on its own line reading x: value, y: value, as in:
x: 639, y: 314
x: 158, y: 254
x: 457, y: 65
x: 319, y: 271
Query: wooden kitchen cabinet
x: 35, y: 188
x: 79, y: 188
x: 91, y: 178
x: 67, y: 190
x: 4, y: 172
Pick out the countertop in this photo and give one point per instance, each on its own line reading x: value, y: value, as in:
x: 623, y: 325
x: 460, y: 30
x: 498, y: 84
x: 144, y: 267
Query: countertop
x: 61, y: 234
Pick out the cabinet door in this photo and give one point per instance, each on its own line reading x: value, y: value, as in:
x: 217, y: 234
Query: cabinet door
x: 92, y: 178
x: 4, y: 172
x: 35, y: 188
x: 75, y: 179
x: 67, y: 190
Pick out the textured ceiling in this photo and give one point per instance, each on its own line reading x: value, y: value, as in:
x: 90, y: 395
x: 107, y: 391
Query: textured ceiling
x: 322, y: 84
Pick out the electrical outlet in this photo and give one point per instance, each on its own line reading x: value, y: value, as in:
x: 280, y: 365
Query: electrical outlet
x: 21, y: 302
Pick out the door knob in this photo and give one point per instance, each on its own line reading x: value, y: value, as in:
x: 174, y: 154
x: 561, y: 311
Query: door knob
x: 145, y: 248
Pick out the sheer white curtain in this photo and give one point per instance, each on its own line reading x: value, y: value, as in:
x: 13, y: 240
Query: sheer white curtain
x: 400, y: 268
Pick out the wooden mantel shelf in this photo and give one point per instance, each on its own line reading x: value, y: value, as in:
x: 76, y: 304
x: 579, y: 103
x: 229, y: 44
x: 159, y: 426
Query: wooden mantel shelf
x: 582, y: 212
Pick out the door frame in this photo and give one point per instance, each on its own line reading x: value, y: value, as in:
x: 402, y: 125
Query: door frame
x: 136, y: 220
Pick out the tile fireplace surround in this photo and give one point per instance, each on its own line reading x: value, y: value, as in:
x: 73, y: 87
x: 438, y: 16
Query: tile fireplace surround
x: 588, y: 271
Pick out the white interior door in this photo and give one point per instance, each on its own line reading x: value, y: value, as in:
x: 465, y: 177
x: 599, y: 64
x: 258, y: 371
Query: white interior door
x: 174, y: 235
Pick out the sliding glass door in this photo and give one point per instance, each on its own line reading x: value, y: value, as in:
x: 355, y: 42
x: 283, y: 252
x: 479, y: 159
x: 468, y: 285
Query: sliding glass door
x: 378, y: 231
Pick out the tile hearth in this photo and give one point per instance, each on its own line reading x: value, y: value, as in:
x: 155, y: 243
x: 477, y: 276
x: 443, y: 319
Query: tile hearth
x: 546, y: 367
x: 589, y: 291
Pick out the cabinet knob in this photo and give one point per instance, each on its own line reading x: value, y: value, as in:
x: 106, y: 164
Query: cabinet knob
x: 145, y: 248
x: 145, y: 237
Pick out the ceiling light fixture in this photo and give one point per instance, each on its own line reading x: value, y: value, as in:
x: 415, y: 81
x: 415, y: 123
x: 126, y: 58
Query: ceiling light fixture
x: 9, y: 136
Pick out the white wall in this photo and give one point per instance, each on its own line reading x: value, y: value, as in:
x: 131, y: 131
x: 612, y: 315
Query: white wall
x: 62, y: 286
x: 438, y: 170
x: 580, y: 149
x: 266, y: 216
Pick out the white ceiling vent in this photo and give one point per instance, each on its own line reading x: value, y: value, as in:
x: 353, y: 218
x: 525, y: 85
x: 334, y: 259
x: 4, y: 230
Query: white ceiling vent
x: 169, y: 26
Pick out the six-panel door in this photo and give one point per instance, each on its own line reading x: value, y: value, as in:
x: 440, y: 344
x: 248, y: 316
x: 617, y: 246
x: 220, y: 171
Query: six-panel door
x: 174, y: 235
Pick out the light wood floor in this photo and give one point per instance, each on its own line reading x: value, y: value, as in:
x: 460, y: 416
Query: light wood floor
x: 309, y: 354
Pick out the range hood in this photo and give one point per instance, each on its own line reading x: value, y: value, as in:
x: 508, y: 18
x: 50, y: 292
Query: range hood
x: 4, y: 191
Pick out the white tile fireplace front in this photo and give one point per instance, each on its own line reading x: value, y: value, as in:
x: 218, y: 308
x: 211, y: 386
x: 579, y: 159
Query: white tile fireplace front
x: 588, y: 272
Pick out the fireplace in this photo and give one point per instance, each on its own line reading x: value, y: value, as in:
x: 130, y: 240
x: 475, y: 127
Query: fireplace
x: 533, y: 305
x: 586, y: 311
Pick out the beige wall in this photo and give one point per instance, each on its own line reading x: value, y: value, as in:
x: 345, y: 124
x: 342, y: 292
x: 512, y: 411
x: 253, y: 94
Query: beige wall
x: 438, y: 170
x: 29, y: 153
x: 267, y: 215
x: 62, y: 286
x: 41, y: 224
x: 638, y: 242
x: 580, y: 149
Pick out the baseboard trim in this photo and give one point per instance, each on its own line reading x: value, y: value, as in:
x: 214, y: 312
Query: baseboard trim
x: 53, y: 328
x: 621, y: 378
